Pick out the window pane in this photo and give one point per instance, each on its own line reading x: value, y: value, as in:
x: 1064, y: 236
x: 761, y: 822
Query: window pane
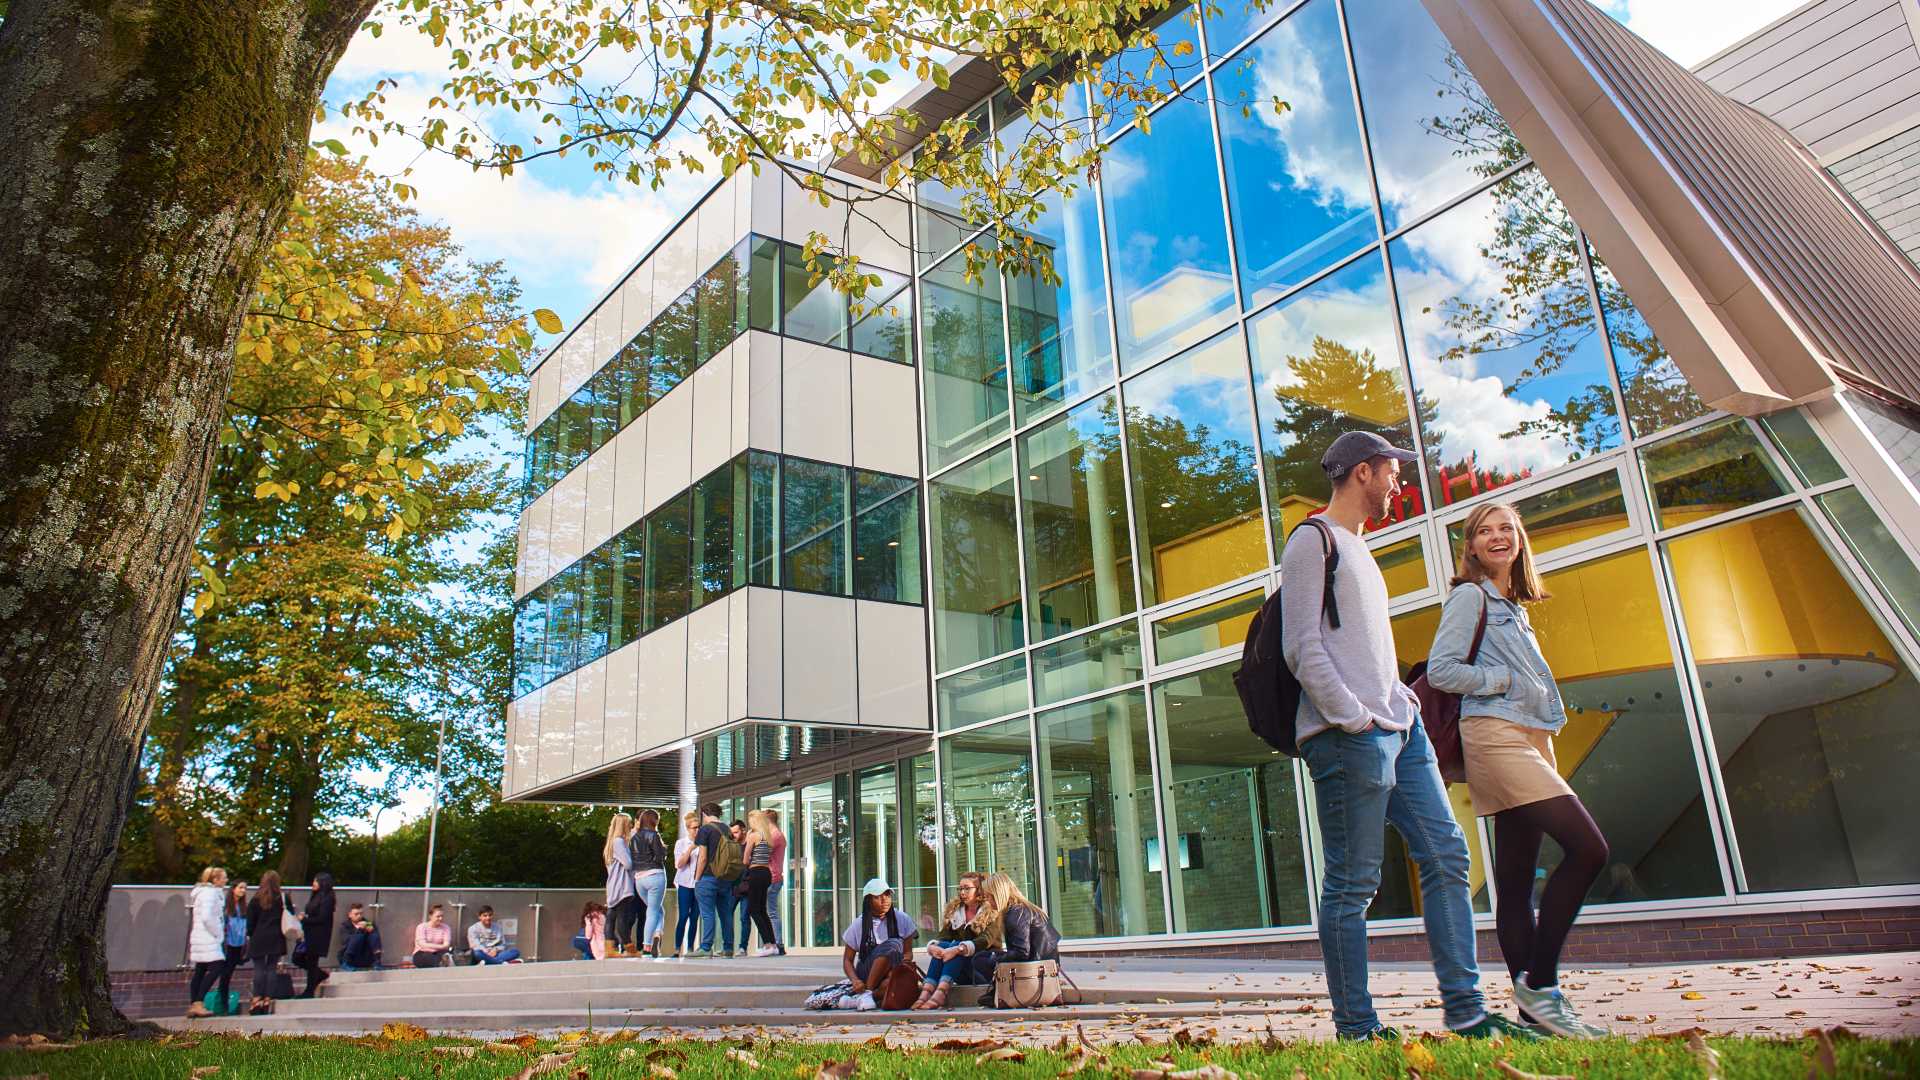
x: 1503, y: 340
x: 1234, y: 20
x: 628, y: 607
x: 675, y: 334
x: 1813, y: 712
x: 1098, y: 792
x: 1656, y: 393
x: 814, y: 526
x: 876, y: 834
x: 763, y: 294
x: 1297, y: 177
x: 1896, y: 430
x: 635, y: 391
x: 1877, y: 551
x: 983, y: 693
x: 976, y: 575
x: 1326, y: 362
x: 1189, y: 431
x: 1097, y: 661
x: 1583, y: 510
x: 603, y: 394
x: 1435, y: 134
x: 885, y: 328
x: 763, y: 509
x: 1062, y: 346
x: 1404, y: 565
x: 1079, y: 565
x: 596, y: 590
x: 1231, y: 808
x: 719, y: 293
x: 713, y: 535
x: 563, y: 620
x: 1802, y: 447
x: 886, y: 537
x: 812, y: 310
x: 668, y: 563
x: 1172, y: 282
x: 965, y: 350
x: 1167, y: 57
x: 919, y: 887
x: 941, y: 218
x: 529, y: 643
x: 987, y: 775
x: 1709, y: 471
x: 1204, y: 629
x: 576, y: 431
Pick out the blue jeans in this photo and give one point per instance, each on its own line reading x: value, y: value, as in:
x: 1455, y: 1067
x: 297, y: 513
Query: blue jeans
x: 686, y: 928
x: 504, y: 956
x: 716, y: 911
x: 773, y: 912
x: 1360, y: 783
x: 653, y: 893
x: 939, y: 971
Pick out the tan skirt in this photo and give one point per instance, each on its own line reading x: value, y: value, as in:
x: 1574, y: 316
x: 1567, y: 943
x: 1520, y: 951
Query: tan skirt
x: 1508, y: 765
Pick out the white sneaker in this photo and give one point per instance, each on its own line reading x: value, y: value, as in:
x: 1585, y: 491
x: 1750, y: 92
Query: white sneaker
x: 865, y: 1003
x: 767, y: 950
x: 1552, y: 1012
x: 848, y: 1001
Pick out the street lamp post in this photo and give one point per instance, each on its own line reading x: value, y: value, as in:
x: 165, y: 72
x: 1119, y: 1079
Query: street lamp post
x: 373, y: 867
x: 433, y: 823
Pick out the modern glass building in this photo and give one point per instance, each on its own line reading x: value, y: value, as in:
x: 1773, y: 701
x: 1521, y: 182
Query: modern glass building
x: 957, y: 577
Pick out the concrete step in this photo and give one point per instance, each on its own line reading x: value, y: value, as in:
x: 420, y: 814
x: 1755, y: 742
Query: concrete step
x: 291, y: 1020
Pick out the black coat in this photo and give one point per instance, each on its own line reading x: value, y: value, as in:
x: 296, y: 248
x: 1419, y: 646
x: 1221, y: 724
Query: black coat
x: 316, y: 922
x: 1026, y: 934
x: 264, y: 936
x: 360, y: 948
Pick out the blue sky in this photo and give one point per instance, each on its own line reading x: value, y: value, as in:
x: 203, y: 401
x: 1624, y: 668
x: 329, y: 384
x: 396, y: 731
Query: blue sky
x: 567, y: 233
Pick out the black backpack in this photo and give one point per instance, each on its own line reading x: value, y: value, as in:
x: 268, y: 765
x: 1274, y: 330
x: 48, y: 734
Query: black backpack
x: 1269, y: 692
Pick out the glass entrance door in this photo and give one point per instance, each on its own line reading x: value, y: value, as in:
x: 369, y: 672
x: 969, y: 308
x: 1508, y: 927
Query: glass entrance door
x: 876, y: 835
x: 811, y: 877
x: 785, y: 909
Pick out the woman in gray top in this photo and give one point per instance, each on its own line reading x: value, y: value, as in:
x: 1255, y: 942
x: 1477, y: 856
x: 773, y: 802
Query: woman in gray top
x: 623, y: 903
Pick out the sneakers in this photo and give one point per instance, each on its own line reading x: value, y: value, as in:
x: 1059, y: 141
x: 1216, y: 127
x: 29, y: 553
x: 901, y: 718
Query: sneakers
x: 1495, y: 1026
x: 767, y: 950
x: 1552, y: 1012
x: 703, y: 954
x: 858, y: 1002
x: 1379, y: 1034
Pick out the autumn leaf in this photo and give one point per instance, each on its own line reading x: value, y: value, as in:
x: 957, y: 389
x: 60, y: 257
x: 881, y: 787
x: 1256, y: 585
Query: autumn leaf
x: 203, y: 1070
x: 1004, y: 1053
x: 401, y: 1031
x: 1707, y: 1056
x: 744, y: 1057
x: 545, y: 1064
x: 547, y: 320
x: 835, y: 1070
x: 1693, y: 995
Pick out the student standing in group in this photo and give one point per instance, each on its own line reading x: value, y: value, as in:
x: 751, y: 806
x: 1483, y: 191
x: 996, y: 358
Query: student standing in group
x: 962, y: 931
x: 1359, y: 730
x: 1510, y: 709
x: 359, y: 941
x: 778, y: 875
x: 880, y: 937
x: 433, y: 939
x: 266, y: 939
x: 716, y: 857
x: 650, y: 877
x: 734, y: 900
x: 623, y: 903
x: 316, y: 932
x: 234, y: 941
x: 206, y: 929
x: 686, y: 875
x: 759, y: 878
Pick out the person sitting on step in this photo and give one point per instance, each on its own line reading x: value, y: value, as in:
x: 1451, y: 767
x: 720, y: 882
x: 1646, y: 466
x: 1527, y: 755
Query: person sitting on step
x: 489, y: 945
x: 963, y: 929
x: 881, y: 937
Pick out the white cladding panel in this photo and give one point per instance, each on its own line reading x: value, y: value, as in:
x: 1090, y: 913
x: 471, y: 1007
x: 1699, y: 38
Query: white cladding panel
x: 712, y: 433
x: 707, y: 631
x: 669, y: 446
x: 600, y: 483
x: 661, y: 699
x: 716, y: 229
x: 569, y: 498
x: 630, y: 472
x: 623, y: 672
x: 536, y: 557
x: 886, y: 431
x: 766, y: 638
x: 590, y: 716
x: 636, y: 301
x: 819, y: 664
x: 817, y: 399
x: 762, y: 391
x: 556, y: 729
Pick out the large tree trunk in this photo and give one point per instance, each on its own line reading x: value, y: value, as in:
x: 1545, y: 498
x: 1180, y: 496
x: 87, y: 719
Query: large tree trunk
x: 296, y: 842
x: 148, y: 151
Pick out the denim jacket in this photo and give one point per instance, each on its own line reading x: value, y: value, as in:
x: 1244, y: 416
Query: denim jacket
x: 1509, y: 678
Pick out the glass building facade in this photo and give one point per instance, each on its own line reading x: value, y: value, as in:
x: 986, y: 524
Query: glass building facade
x: 1110, y: 464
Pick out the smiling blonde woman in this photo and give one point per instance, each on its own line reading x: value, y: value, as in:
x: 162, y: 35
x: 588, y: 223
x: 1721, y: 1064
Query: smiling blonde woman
x: 1510, y: 709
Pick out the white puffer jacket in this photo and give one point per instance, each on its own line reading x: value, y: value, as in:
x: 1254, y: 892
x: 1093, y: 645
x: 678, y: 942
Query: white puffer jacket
x: 207, y: 904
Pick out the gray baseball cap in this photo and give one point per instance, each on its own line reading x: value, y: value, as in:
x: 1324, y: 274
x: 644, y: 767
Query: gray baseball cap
x: 1357, y: 446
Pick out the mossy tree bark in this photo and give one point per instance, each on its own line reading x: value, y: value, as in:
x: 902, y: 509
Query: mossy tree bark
x: 148, y: 151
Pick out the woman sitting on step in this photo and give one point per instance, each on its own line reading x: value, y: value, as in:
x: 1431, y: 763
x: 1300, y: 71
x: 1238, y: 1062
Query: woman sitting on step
x: 963, y: 930
x: 1017, y: 930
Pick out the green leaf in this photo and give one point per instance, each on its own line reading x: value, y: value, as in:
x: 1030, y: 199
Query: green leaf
x: 548, y: 321
x: 335, y: 146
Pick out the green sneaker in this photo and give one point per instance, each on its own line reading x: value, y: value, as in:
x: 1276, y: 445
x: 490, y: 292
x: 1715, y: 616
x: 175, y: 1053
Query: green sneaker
x: 1495, y: 1026
x: 1379, y: 1034
x: 703, y: 954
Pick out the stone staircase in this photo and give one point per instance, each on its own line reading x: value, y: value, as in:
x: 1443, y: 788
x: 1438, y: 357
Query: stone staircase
x: 685, y: 995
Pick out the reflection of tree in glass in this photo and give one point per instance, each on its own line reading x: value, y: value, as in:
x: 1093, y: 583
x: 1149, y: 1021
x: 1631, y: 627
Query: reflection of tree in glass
x: 1334, y: 390
x: 1480, y: 134
x: 1657, y: 394
x: 1200, y: 480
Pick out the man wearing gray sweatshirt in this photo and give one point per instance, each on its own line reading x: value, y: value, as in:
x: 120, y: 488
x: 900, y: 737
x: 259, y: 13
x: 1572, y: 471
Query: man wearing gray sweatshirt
x: 1359, y: 730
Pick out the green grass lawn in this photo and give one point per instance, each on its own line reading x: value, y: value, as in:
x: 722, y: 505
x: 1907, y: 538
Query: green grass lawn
x: 376, y: 1058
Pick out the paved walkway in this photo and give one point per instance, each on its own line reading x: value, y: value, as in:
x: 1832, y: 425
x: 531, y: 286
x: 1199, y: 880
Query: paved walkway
x: 1154, y: 998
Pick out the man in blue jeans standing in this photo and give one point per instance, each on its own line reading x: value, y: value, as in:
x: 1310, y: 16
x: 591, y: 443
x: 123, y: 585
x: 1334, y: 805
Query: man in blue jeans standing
x: 713, y: 893
x: 1359, y: 730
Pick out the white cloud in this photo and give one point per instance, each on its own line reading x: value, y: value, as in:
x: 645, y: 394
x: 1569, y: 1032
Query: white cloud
x: 1692, y: 31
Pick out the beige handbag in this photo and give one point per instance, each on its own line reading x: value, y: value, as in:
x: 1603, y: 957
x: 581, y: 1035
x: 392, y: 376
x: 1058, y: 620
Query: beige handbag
x: 1028, y: 984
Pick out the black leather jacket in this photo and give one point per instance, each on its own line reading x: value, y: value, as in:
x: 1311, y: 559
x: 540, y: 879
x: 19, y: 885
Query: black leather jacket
x: 1027, y: 935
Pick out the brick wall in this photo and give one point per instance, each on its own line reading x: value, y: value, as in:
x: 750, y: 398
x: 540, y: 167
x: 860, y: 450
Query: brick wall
x: 1655, y: 941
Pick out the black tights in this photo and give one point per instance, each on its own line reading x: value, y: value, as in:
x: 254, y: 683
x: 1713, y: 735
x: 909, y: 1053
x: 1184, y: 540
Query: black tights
x: 1532, y: 943
x: 759, y: 880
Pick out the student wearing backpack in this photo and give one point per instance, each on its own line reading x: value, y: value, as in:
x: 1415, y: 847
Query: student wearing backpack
x: 1358, y: 727
x: 1510, y: 708
x: 877, y: 940
x: 716, y: 857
